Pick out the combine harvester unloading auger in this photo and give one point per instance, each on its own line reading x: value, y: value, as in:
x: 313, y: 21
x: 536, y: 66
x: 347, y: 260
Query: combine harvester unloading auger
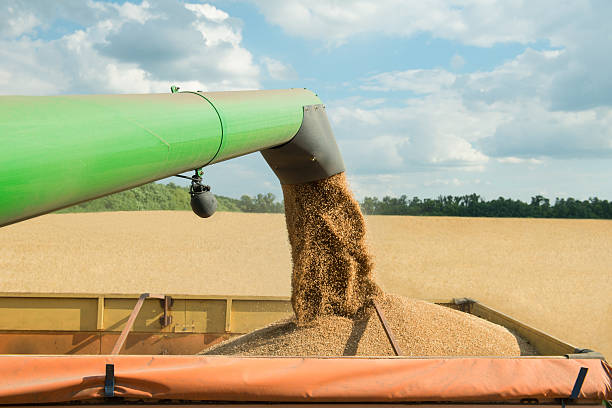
x: 62, y: 150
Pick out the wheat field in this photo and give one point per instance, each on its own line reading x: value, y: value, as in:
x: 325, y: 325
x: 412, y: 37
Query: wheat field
x: 555, y: 275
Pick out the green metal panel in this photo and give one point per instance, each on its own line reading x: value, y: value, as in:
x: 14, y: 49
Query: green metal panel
x: 61, y: 150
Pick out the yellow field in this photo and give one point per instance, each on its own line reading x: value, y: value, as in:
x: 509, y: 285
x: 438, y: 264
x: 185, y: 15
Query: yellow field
x: 553, y: 274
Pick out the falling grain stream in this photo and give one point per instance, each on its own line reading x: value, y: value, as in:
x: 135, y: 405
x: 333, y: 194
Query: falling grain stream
x: 333, y: 290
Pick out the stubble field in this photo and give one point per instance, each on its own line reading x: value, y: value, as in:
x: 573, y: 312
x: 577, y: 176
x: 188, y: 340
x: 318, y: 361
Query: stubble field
x: 555, y: 275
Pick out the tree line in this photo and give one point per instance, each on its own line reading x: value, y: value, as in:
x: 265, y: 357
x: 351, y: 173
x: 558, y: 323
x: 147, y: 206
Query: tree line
x: 155, y: 196
x: 475, y: 206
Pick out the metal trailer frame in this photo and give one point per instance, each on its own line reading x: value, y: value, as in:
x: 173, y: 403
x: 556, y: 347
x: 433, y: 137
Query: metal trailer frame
x: 78, y: 323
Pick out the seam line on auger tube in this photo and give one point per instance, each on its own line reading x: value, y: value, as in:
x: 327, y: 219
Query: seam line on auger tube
x: 220, y: 121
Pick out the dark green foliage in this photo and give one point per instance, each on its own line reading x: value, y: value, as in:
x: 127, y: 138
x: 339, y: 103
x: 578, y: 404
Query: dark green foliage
x: 151, y: 196
x: 474, y: 206
x: 261, y: 204
x: 155, y: 196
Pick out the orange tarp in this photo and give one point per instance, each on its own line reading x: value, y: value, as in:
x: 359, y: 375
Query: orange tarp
x: 52, y: 379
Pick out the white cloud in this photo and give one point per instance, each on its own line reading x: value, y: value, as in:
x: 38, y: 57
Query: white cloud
x: 429, y: 132
x: 507, y: 113
x: 208, y: 12
x: 445, y: 182
x: 278, y: 70
x: 215, y: 34
x: 451, y: 148
x: 518, y: 160
x: 134, y: 12
x: 535, y: 132
x: 126, y: 48
x: 527, y: 76
x: 554, y: 103
x: 134, y: 80
x: 578, y: 77
x: 420, y: 81
x: 381, y: 184
x: 212, y: 24
x: 474, y: 22
x: 16, y: 23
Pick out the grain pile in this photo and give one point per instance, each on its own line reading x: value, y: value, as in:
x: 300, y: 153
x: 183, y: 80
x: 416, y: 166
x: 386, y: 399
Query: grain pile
x: 421, y: 329
x: 333, y: 292
x: 332, y: 268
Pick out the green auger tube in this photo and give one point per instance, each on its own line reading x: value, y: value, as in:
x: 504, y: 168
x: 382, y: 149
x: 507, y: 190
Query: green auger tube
x: 57, y: 151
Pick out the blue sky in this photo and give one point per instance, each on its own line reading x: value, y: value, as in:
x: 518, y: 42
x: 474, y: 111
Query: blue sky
x: 498, y: 98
